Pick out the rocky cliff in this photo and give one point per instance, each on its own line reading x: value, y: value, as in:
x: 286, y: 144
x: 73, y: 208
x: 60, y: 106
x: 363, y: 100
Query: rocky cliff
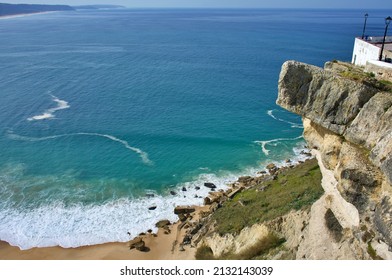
x: 288, y: 213
x: 348, y: 124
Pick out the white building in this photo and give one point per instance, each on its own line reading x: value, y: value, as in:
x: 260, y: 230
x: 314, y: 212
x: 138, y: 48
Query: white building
x: 369, y: 49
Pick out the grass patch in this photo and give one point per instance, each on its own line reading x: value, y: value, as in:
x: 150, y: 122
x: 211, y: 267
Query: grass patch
x: 294, y: 188
x: 262, y: 247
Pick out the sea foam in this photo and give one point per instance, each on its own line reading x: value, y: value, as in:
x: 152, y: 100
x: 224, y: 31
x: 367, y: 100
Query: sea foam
x: 143, y: 155
x: 274, y: 142
x: 49, y: 113
x: 57, y: 224
x: 79, y: 225
x: 294, y: 125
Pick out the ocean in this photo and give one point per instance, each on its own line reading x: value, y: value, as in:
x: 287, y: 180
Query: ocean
x: 106, y: 113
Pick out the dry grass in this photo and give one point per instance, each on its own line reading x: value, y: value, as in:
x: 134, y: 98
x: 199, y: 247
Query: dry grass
x: 262, y: 247
x: 204, y: 253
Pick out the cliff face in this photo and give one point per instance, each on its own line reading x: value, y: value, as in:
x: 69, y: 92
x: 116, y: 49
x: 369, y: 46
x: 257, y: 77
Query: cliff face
x: 347, y: 117
x: 348, y: 124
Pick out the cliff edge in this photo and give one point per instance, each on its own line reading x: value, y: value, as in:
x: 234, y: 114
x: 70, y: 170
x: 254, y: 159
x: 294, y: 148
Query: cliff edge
x: 335, y: 206
x: 347, y: 122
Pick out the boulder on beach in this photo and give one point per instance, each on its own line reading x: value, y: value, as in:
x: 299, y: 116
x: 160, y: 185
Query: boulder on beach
x: 184, y: 210
x: 138, y: 244
x: 234, y: 192
x: 162, y: 223
x: 207, y: 201
x: 182, y: 217
x: 271, y: 166
x: 244, y: 179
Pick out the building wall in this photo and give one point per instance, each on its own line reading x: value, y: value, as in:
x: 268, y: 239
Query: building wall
x: 381, y: 69
x: 363, y: 51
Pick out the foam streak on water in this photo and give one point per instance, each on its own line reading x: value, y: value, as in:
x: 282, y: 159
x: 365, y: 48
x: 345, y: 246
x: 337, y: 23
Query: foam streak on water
x: 293, y: 125
x: 49, y: 113
x: 143, y: 155
x: 80, y: 225
x: 274, y: 142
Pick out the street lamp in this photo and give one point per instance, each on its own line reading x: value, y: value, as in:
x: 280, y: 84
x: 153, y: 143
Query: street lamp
x: 364, y: 26
x: 387, y: 22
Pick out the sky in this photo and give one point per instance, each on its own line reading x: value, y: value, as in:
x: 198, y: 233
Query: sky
x: 359, y: 4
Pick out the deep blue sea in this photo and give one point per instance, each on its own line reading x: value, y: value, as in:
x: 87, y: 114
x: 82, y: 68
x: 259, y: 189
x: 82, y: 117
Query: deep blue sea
x: 99, y: 109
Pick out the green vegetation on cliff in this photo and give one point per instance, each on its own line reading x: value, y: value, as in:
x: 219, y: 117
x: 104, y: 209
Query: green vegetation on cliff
x: 356, y: 73
x: 293, y: 189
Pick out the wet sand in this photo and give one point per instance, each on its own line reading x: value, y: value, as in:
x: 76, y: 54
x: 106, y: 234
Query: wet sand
x: 159, y: 247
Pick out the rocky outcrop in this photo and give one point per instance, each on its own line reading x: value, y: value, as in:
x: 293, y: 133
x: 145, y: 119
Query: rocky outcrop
x: 348, y: 124
x: 236, y: 244
x: 184, y: 210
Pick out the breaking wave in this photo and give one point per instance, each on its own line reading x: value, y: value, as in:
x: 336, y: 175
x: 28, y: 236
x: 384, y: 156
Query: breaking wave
x: 274, y: 142
x: 75, y: 225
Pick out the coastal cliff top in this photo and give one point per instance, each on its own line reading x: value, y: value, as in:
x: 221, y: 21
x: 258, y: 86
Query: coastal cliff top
x: 345, y: 100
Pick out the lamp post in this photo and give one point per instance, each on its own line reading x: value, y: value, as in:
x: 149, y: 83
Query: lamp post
x: 364, y: 26
x: 387, y: 22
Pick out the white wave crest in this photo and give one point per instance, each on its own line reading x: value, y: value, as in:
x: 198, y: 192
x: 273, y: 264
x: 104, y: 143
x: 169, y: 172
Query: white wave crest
x: 143, y: 155
x: 49, y: 114
x: 294, y: 125
x: 80, y: 225
x: 274, y: 142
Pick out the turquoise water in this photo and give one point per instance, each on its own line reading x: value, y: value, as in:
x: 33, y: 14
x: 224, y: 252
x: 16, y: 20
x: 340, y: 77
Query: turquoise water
x: 100, y: 108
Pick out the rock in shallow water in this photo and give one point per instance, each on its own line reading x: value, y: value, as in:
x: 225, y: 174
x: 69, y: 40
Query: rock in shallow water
x: 210, y: 185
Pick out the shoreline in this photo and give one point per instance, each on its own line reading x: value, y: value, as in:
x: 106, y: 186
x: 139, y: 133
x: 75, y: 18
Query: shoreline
x: 91, y: 224
x: 166, y: 244
x: 159, y: 248
x: 24, y: 15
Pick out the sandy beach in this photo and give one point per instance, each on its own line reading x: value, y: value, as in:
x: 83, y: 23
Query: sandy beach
x: 163, y: 245
x: 159, y: 247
